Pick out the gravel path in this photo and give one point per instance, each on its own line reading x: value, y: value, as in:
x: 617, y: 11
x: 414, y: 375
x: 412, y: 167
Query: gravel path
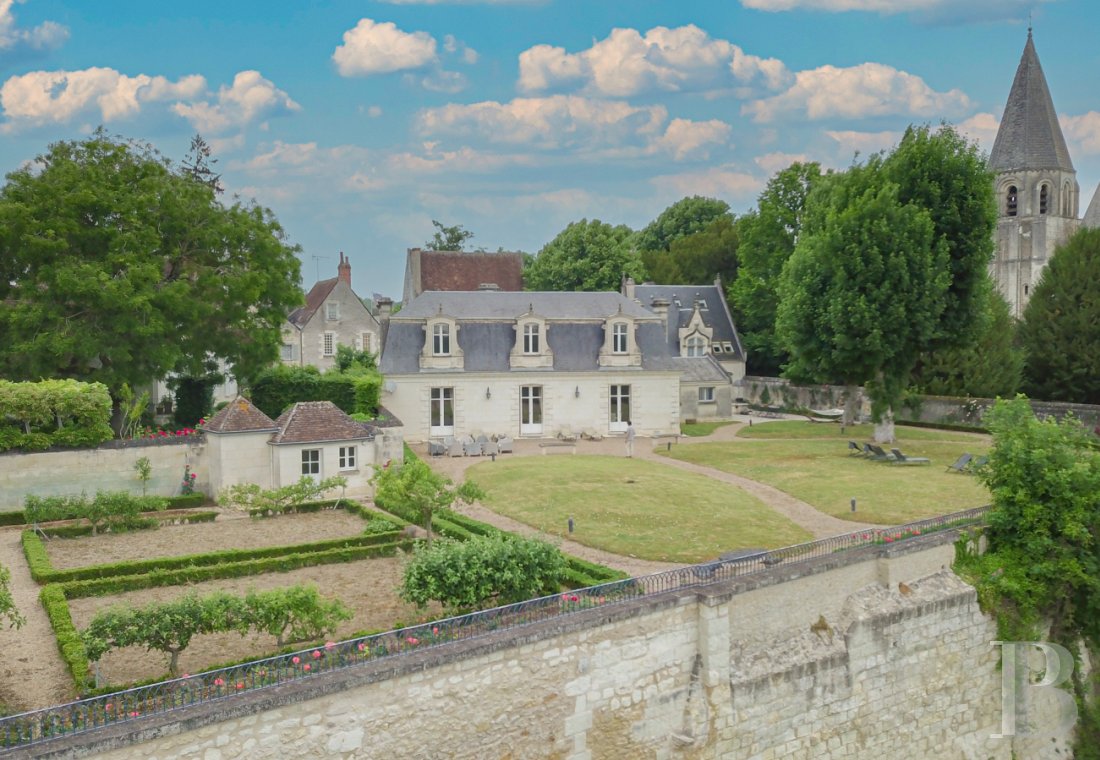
x: 30, y: 676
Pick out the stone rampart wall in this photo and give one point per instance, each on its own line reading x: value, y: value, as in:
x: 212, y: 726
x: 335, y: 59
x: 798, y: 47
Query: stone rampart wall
x: 875, y: 653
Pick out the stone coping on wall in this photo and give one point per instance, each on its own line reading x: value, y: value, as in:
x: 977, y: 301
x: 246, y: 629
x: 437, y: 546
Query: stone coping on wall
x: 118, y: 443
x: 216, y: 711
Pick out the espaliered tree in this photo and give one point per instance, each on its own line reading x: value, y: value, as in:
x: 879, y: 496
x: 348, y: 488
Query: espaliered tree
x: 1060, y: 331
x: 891, y: 263
x: 118, y: 266
x: 8, y: 610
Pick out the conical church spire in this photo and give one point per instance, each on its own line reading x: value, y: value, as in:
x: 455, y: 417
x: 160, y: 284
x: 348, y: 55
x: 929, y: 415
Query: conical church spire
x: 1029, y: 136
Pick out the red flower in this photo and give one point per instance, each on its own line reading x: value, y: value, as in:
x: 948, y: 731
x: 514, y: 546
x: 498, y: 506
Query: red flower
x: 435, y: 630
x: 219, y: 682
x: 240, y: 684
x: 295, y: 660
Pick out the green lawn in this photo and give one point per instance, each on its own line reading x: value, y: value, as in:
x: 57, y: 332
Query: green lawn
x: 700, y: 429
x: 632, y: 507
x: 811, y: 462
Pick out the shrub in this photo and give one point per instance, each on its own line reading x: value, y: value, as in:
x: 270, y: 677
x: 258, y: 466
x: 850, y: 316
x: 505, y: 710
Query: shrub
x: 115, y: 509
x: 468, y: 574
x: 253, y: 499
x: 35, y: 416
x: 293, y: 614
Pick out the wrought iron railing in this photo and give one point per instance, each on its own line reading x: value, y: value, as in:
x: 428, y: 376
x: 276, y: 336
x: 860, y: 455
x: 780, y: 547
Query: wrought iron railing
x: 17, y: 731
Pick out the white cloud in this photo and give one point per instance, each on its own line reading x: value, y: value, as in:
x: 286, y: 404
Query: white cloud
x: 777, y: 162
x: 582, y: 125
x: 981, y: 127
x: 444, y: 81
x: 45, y: 36
x: 851, y: 142
x: 373, y: 48
x: 684, y: 138
x: 45, y: 97
x: 1083, y: 130
x: 250, y: 98
x: 716, y: 182
x: 869, y: 89
x: 628, y: 63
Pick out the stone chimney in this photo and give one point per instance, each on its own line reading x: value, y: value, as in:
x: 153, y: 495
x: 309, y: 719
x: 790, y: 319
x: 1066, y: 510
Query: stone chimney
x: 628, y: 287
x: 384, y: 306
x: 660, y: 308
x: 343, y: 270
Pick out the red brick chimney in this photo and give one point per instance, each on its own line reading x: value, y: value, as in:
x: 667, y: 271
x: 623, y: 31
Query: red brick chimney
x: 344, y: 270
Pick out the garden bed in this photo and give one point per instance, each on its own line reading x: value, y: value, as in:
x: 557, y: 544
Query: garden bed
x: 368, y: 587
x: 230, y: 531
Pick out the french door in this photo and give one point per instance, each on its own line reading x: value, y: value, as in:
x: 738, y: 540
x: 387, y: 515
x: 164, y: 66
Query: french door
x: 619, y: 408
x: 530, y: 410
x: 441, y: 412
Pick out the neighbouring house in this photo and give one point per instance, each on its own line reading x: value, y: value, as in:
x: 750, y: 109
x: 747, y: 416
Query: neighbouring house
x: 333, y: 315
x: 534, y: 364
x: 312, y: 438
x: 461, y: 271
x: 700, y: 330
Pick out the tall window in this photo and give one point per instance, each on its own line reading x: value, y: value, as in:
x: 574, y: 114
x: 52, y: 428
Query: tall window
x: 441, y: 411
x: 441, y: 340
x: 328, y: 345
x: 706, y: 394
x: 311, y: 462
x: 618, y: 338
x: 1010, y: 201
x: 530, y: 339
x: 347, y: 457
x: 332, y: 311
x: 287, y: 353
x: 1065, y: 199
x: 1044, y: 198
x: 696, y: 345
x: 619, y: 412
x: 366, y: 342
x: 530, y: 409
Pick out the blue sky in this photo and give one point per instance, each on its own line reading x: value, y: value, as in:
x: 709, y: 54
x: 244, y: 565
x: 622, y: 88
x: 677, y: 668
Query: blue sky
x: 358, y: 123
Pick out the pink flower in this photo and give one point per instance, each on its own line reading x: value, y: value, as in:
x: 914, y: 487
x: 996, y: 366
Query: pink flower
x: 219, y: 682
x: 134, y: 714
x: 295, y: 660
x: 108, y: 706
x: 362, y: 647
x: 240, y: 684
x: 306, y: 667
x: 330, y: 645
x: 435, y: 630
x: 316, y: 653
x: 888, y: 539
x: 412, y: 640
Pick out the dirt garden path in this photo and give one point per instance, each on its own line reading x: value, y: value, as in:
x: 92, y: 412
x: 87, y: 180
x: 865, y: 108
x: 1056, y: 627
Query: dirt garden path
x: 799, y: 512
x: 32, y: 674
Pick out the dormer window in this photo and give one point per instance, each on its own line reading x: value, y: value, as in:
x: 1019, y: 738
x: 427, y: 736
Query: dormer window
x: 1044, y: 198
x: 531, y: 333
x: 1010, y: 201
x: 618, y: 338
x: 696, y: 345
x: 441, y: 340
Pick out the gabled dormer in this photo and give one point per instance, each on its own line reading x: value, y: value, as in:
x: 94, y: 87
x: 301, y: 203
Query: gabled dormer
x: 441, y: 349
x: 620, y: 346
x: 531, y: 349
x: 695, y: 337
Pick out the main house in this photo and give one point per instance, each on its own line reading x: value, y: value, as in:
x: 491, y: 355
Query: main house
x: 534, y: 364
x: 333, y: 315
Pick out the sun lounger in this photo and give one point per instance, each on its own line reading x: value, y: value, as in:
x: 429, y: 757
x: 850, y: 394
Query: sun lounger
x: 876, y: 454
x: 977, y: 464
x: 855, y: 450
x: 900, y: 458
x: 960, y: 464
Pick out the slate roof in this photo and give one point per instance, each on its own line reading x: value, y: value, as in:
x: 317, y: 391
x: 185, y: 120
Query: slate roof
x: 459, y: 270
x: 239, y: 416
x: 491, y: 305
x: 317, y: 295
x: 1092, y: 213
x: 1029, y: 136
x: 681, y: 304
x: 486, y: 331
x: 317, y: 422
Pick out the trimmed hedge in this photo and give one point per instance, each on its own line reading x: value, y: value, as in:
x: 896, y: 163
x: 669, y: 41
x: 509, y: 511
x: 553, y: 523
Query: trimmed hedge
x: 189, y: 501
x: 74, y: 531
x: 43, y: 572
x: 119, y: 584
x: 943, y: 426
x: 68, y: 639
x: 303, y: 508
x: 13, y: 518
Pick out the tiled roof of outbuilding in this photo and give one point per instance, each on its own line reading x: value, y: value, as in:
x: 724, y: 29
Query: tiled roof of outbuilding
x: 317, y: 295
x: 239, y: 416
x: 459, y: 270
x: 315, y: 422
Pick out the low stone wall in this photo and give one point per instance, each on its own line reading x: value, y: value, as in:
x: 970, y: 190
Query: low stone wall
x: 874, y: 653
x: 109, y: 467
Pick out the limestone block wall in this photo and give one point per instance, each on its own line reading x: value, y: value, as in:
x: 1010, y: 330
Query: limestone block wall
x: 107, y: 468
x: 877, y: 653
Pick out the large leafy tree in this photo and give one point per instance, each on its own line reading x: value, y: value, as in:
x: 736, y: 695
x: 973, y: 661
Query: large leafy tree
x: 1060, y: 331
x: 990, y: 365
x: 941, y: 172
x: 586, y: 255
x: 767, y: 237
x: 863, y: 292
x: 448, y: 238
x: 683, y: 218
x: 117, y: 266
x: 697, y: 258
